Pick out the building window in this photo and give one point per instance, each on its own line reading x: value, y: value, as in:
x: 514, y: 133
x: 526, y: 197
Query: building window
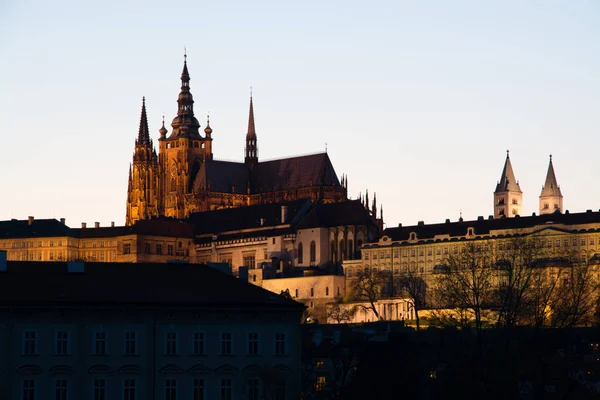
x: 280, y: 344
x: 225, y: 343
x: 300, y: 254
x: 366, y: 255
x: 28, y: 389
x: 583, y: 242
x: 566, y: 242
x: 170, y: 250
x: 170, y: 389
x: 280, y: 389
x: 396, y: 253
x: 100, y: 343
x: 312, y: 292
x: 127, y: 248
x: 253, y: 344
x: 129, y: 392
x: 591, y: 241
x: 99, y: 389
x: 60, y: 389
x: 327, y: 291
x: 29, y: 343
x: 130, y: 343
x: 198, y: 389
x: 349, y: 272
x: 159, y: 249
x: 296, y: 292
x: 313, y: 252
x: 147, y: 248
x: 226, y: 389
x: 332, y: 251
x: 250, y: 261
x: 171, y: 345
x: 374, y: 255
x: 62, y: 343
x: 198, y: 343
x: 557, y: 242
x: 253, y: 389
x: 320, y: 383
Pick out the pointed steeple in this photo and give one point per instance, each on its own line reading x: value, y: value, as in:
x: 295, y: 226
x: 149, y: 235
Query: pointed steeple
x: 185, y: 124
x: 208, y: 130
x: 507, y: 180
x: 551, y: 198
x: 163, y: 131
x: 550, y: 187
x: 508, y: 197
x: 251, y: 150
x: 367, y: 199
x: 143, y: 134
x: 374, y: 207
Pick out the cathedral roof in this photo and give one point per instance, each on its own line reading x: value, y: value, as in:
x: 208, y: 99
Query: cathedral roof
x: 293, y: 173
x: 143, y: 134
x: 268, y: 176
x: 550, y: 187
x: 507, y: 180
x: 350, y: 212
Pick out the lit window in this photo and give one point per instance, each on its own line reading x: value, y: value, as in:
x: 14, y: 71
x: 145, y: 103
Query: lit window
x: 127, y: 248
x: 320, y: 383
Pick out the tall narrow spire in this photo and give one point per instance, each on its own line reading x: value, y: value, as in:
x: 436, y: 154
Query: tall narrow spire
x: 551, y: 198
x: 185, y: 124
x: 251, y: 151
x: 143, y: 134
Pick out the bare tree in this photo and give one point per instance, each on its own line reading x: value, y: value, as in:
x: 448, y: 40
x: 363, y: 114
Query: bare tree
x: 411, y: 285
x: 340, y: 312
x: 367, y: 287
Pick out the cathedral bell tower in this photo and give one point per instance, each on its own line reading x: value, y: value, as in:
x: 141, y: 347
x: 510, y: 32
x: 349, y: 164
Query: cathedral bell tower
x: 142, y: 190
x: 181, y: 155
x: 551, y: 199
x: 508, y: 197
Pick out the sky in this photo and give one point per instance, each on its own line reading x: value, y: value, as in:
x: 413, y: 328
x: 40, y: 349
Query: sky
x: 415, y: 101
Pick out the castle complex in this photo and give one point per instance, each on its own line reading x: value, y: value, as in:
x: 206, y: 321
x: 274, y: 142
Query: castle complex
x: 184, y: 178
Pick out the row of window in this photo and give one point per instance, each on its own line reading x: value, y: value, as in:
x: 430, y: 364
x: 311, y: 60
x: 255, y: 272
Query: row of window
x: 381, y: 254
x: 62, y: 344
x: 172, y: 389
x: 312, y: 292
x: 52, y: 243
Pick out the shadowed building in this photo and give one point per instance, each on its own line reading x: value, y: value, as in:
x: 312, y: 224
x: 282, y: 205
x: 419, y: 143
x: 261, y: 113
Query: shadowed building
x: 185, y: 178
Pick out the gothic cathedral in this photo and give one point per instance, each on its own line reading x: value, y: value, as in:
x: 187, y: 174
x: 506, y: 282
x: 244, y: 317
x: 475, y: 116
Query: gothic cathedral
x: 184, y: 178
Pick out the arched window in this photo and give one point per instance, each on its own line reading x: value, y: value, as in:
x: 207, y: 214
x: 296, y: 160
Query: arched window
x: 313, y: 252
x: 300, y: 254
x: 350, y: 250
x: 342, y: 252
x: 333, y: 251
x: 327, y: 291
x: 312, y: 292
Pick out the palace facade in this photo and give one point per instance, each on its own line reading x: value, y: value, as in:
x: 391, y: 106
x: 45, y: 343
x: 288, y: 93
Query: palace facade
x: 184, y: 177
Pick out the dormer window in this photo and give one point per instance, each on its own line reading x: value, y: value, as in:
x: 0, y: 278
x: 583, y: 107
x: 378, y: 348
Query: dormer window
x: 413, y: 236
x: 470, y: 231
x: 546, y: 206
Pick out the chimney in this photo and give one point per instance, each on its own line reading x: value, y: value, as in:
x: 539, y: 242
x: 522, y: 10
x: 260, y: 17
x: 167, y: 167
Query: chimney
x: 30, y: 220
x: 2, y: 261
x: 284, y: 214
x: 62, y: 221
x: 262, y: 222
x: 112, y: 224
x: 96, y: 224
x: 83, y: 225
x: 421, y: 223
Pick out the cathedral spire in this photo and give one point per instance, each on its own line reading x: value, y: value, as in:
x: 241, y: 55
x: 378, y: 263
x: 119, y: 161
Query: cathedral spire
x: 185, y: 124
x: 251, y: 156
x: 143, y: 134
x: 508, y: 196
x: 551, y: 198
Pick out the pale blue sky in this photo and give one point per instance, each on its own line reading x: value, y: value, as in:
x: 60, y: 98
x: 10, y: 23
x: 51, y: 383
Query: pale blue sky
x: 418, y: 101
